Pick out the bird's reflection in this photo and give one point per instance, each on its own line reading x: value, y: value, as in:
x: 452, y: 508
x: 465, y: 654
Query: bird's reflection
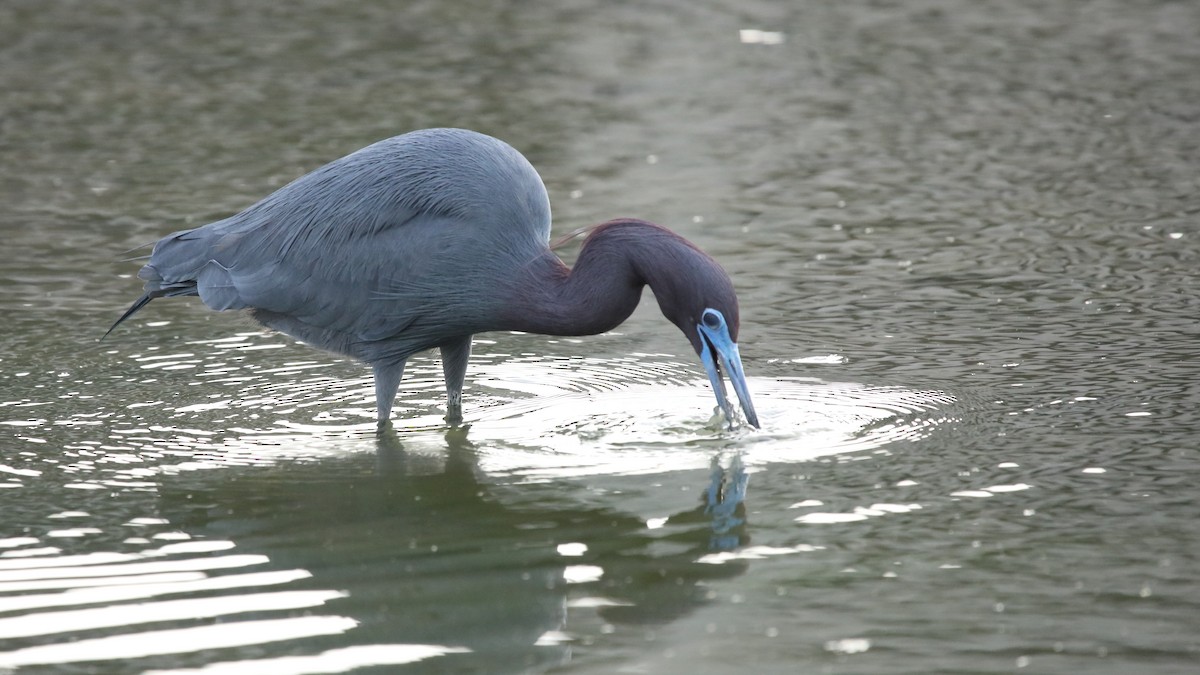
x: 428, y: 550
x: 725, y: 503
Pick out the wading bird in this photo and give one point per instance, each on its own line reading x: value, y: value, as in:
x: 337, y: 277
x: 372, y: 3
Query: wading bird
x: 425, y: 239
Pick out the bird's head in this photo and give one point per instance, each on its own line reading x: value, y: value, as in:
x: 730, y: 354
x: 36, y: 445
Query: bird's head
x: 700, y: 300
x: 692, y: 290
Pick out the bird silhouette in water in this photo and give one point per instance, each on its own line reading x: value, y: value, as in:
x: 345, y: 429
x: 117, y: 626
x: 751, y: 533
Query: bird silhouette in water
x: 422, y: 241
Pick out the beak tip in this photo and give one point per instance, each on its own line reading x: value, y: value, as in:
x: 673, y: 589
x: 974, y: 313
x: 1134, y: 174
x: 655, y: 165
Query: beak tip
x: 719, y: 349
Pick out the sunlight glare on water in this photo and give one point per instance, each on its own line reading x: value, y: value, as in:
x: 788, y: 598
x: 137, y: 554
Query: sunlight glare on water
x: 131, y: 592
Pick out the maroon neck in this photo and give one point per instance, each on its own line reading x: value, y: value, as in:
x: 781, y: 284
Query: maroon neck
x: 617, y: 259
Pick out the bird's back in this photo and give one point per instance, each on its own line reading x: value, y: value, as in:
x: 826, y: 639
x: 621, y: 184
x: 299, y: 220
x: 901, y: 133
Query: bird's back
x: 396, y: 243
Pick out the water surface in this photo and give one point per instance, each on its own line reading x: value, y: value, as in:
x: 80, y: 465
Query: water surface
x: 963, y: 235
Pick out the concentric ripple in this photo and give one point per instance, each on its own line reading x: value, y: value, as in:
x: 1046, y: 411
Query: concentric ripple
x: 529, y: 415
x: 591, y: 420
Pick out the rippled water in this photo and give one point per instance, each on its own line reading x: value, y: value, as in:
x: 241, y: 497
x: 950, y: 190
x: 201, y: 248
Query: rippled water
x: 964, y: 239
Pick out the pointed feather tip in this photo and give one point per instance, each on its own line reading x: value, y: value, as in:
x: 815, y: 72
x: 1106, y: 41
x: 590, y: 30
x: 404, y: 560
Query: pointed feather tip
x: 137, y: 248
x: 140, y: 303
x: 570, y: 236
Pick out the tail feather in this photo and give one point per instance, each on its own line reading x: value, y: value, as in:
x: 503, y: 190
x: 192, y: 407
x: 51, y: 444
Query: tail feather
x: 140, y: 303
x: 185, y: 263
x: 139, y: 247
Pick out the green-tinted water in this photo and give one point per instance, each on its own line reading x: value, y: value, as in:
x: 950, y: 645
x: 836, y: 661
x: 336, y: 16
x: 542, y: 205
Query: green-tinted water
x: 964, y: 238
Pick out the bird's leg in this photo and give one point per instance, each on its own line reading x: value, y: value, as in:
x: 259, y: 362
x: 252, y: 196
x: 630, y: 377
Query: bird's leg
x: 387, y: 381
x: 454, y: 365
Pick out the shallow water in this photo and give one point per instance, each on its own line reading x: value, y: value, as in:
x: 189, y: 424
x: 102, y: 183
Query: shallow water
x: 964, y: 239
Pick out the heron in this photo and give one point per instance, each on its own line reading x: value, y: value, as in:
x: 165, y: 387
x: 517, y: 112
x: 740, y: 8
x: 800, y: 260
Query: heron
x: 425, y: 239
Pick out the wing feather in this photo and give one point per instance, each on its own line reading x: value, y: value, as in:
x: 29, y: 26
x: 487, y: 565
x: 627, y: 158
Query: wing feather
x: 400, y: 241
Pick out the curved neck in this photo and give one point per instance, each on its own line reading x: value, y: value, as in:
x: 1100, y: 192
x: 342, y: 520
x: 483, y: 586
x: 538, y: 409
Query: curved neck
x: 616, y: 261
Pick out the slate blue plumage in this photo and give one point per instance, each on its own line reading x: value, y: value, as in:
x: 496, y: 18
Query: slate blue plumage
x: 425, y: 239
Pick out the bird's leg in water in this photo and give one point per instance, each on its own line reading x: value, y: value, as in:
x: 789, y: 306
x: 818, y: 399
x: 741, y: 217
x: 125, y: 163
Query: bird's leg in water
x: 455, y: 355
x: 387, y: 381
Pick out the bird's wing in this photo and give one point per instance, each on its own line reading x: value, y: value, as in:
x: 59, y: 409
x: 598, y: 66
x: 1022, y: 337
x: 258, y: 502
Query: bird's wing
x: 352, y: 285
x: 402, y: 236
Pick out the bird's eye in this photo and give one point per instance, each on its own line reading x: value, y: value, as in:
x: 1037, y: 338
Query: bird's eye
x: 712, y: 319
